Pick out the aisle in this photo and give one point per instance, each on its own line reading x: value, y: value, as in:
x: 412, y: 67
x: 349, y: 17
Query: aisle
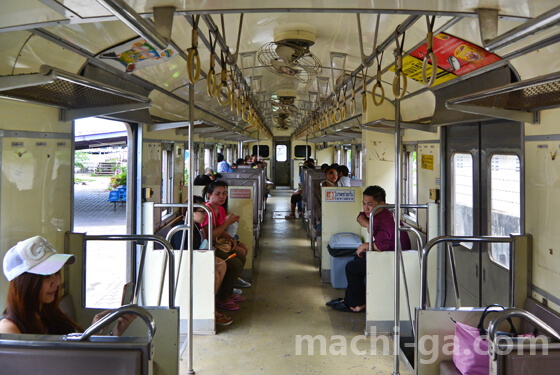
x: 287, y: 300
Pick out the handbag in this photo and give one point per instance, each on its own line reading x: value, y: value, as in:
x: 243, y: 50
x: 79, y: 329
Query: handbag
x: 223, y: 244
x: 470, y: 345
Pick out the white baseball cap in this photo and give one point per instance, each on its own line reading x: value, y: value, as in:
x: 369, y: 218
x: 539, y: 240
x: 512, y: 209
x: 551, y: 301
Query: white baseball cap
x: 34, y: 255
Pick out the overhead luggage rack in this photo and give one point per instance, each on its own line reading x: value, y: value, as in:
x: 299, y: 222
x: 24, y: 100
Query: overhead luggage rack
x: 519, y: 101
x: 76, y: 96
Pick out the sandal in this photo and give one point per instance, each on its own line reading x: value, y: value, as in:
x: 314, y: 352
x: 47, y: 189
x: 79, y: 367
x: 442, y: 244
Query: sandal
x: 228, y: 305
x: 237, y: 298
x: 223, y: 319
x: 333, y: 302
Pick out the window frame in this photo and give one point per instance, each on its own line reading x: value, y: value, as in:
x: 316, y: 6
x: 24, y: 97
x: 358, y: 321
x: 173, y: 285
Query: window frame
x: 489, y: 213
x: 276, y: 153
x: 452, y: 178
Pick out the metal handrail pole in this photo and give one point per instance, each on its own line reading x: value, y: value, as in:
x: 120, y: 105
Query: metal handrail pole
x: 453, y: 266
x: 128, y: 16
x: 531, y: 27
x: 382, y: 206
x: 181, y: 248
x: 407, y: 295
x: 190, y: 194
x: 113, y: 316
x: 419, y: 244
x: 142, y: 237
x: 514, y: 312
x: 182, y: 228
x: 398, y: 250
x: 437, y: 240
x: 140, y: 273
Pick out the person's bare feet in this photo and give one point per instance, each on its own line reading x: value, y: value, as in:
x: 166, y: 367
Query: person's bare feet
x: 358, y: 308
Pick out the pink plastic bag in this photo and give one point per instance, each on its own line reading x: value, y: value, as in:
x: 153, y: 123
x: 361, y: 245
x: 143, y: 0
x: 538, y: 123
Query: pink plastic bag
x: 470, y: 351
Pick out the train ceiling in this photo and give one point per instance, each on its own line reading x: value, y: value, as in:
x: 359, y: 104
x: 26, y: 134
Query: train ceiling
x: 308, y: 83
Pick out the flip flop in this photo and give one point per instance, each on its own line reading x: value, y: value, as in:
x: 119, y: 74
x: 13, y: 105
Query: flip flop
x: 341, y: 306
x: 333, y: 302
x: 230, y: 305
x: 238, y: 298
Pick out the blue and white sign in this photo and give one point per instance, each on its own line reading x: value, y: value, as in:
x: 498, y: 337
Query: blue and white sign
x: 340, y: 195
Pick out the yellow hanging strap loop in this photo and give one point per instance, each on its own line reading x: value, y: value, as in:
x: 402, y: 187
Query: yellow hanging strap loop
x: 399, y: 75
x: 193, y: 59
x: 344, y: 109
x: 364, y: 93
x: 211, y: 78
x: 378, y: 84
x: 232, y: 98
x: 353, y: 105
x: 430, y: 55
x: 224, y: 98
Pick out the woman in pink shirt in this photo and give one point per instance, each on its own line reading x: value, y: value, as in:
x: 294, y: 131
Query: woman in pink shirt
x: 216, y: 194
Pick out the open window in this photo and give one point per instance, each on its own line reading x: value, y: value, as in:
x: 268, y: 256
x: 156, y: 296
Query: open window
x: 410, y: 178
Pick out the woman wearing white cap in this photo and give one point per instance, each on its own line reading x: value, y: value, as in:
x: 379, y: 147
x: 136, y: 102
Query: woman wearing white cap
x: 33, y: 269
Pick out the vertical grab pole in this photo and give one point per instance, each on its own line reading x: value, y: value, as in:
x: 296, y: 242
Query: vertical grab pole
x: 190, y: 246
x: 397, y: 324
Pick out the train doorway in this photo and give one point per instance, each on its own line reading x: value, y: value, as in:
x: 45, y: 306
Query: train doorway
x: 100, y: 195
x: 484, y: 198
x: 282, y: 161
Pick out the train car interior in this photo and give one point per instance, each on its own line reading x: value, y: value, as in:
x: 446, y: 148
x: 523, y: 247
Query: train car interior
x: 257, y: 154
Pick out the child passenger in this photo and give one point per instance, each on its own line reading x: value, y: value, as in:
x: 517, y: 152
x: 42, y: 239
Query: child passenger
x: 384, y: 235
x: 343, y: 178
x: 33, y: 268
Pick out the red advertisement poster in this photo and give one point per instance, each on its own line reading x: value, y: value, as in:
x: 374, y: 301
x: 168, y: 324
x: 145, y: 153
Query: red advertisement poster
x: 456, y: 55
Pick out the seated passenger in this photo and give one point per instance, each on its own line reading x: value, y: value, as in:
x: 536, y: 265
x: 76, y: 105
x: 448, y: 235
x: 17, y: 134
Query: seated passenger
x: 199, y: 242
x: 331, y: 176
x: 223, y: 166
x: 202, y: 180
x: 384, y: 235
x: 33, y: 268
x: 344, y: 179
x: 240, y: 161
x: 210, y: 173
x: 216, y: 194
x: 297, y: 195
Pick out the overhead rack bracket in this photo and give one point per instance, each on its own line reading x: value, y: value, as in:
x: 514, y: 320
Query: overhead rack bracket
x: 518, y: 101
x: 390, y: 124
x: 76, y: 96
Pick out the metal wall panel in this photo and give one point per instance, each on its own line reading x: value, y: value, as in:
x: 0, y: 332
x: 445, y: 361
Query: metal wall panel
x: 35, y: 193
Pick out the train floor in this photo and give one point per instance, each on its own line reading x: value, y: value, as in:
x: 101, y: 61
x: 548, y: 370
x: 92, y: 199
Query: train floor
x: 286, y: 305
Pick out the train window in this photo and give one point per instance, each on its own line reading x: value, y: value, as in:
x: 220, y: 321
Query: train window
x: 505, y: 203
x: 411, y: 182
x: 348, y: 158
x: 281, y: 152
x: 264, y: 151
x: 358, y: 172
x: 187, y: 161
x: 167, y: 179
x: 462, y: 196
x: 299, y: 151
x: 207, y: 158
